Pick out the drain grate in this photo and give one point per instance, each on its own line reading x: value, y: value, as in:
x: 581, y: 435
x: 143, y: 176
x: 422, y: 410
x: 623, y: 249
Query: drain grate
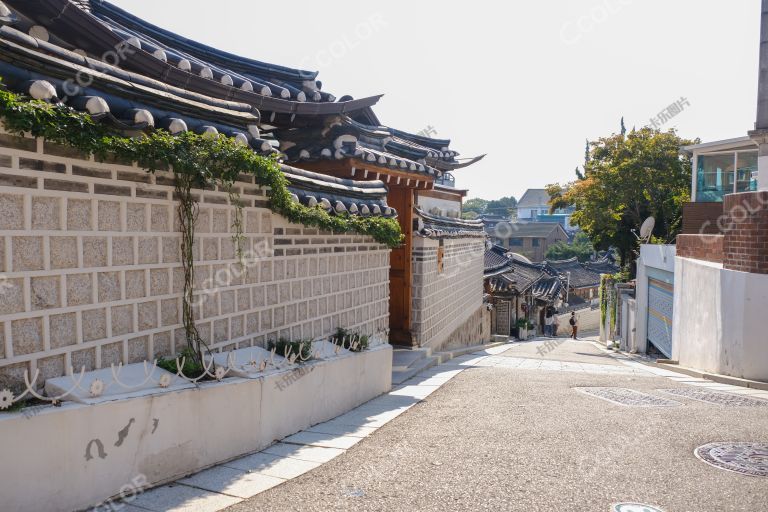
x: 717, y: 397
x: 745, y: 458
x: 628, y: 397
x: 634, y: 507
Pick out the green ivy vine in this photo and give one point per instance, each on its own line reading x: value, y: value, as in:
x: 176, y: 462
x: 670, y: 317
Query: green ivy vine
x: 197, y: 161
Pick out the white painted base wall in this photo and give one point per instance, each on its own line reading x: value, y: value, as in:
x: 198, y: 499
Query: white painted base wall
x: 720, y: 319
x: 44, y: 466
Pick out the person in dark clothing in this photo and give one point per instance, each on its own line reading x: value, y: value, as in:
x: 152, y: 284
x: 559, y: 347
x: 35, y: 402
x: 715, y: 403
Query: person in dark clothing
x: 574, y: 321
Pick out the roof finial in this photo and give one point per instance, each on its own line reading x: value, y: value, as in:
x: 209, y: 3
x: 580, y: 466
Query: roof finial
x: 83, y: 4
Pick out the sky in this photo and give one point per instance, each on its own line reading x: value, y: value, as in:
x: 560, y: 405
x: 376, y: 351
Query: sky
x: 525, y: 82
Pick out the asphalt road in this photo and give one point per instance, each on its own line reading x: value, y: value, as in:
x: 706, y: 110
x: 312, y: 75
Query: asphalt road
x: 524, y: 440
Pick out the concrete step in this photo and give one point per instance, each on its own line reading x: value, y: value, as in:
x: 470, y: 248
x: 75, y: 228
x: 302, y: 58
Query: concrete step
x: 403, y: 358
x: 458, y: 352
x: 400, y: 376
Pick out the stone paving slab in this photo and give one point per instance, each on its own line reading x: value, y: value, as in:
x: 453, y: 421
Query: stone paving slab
x: 307, y: 453
x: 232, y: 482
x: 273, y: 465
x: 182, y: 498
x: 323, y: 440
x: 340, y: 429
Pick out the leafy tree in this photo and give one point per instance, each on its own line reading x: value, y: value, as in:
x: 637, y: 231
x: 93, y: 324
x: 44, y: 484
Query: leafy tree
x: 627, y: 179
x: 469, y: 215
x: 475, y: 205
x: 501, y: 206
x: 581, y: 248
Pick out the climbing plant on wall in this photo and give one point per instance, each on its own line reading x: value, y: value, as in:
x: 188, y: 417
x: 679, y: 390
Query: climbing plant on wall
x: 197, y: 161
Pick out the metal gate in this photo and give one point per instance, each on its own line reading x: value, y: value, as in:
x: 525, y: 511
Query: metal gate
x: 660, y: 308
x: 503, y: 318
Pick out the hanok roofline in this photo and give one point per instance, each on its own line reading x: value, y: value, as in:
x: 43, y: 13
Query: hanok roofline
x: 436, y: 226
x: 161, y: 80
x: 517, y: 277
x: 527, y: 230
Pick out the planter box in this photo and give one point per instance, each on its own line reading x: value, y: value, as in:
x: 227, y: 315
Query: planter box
x: 86, y: 453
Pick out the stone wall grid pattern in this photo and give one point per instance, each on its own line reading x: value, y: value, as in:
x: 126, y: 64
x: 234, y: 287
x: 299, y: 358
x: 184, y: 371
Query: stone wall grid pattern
x: 442, y: 303
x: 91, y: 274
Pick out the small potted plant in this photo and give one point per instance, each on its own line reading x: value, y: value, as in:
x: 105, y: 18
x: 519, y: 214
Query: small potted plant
x: 522, y: 329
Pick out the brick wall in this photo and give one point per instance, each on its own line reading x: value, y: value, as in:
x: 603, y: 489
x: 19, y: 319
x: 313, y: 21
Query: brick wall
x: 444, y: 302
x: 701, y: 247
x: 745, y: 247
x: 90, y: 272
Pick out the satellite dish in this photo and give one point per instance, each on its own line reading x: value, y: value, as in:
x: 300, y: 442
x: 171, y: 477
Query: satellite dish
x: 646, y: 230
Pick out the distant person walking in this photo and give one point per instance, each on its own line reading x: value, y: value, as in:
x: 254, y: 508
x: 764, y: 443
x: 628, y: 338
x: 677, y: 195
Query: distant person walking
x: 548, y: 322
x: 555, y: 325
x: 574, y: 321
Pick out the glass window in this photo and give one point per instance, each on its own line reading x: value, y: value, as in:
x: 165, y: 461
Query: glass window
x: 746, y: 166
x: 515, y: 242
x: 535, y: 242
x: 714, y: 177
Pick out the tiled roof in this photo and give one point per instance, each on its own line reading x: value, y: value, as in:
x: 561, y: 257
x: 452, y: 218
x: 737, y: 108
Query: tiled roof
x: 542, y: 281
x: 434, y: 226
x: 337, y: 196
x: 496, y: 261
x: 379, y: 146
x: 583, y: 275
x: 527, y: 229
x: 176, y: 61
x: 143, y: 95
x: 534, y: 197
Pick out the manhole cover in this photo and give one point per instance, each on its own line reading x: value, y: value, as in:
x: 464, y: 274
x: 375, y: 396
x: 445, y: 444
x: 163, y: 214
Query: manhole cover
x: 717, y: 397
x: 628, y: 397
x: 745, y: 458
x: 634, y: 507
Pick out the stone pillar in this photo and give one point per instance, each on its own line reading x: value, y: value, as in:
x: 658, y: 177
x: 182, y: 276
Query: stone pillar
x: 760, y: 134
x: 761, y: 139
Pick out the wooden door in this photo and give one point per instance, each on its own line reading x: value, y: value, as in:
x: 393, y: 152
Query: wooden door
x: 400, y: 274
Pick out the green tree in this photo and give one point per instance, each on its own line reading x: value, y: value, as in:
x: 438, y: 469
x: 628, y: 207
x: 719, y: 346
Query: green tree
x: 475, y: 205
x: 581, y: 248
x: 627, y: 179
x: 501, y: 206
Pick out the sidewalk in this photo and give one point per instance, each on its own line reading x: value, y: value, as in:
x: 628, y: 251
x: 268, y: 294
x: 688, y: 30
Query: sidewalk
x: 232, y: 482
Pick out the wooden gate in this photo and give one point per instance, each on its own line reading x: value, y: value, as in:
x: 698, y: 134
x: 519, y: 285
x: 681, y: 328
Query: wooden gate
x: 503, y: 319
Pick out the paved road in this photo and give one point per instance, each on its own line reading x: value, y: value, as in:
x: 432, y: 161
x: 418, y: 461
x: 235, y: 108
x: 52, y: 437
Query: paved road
x: 516, y: 436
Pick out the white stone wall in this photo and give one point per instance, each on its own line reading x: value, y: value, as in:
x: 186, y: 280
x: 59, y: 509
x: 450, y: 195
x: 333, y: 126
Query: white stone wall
x: 719, y: 320
x: 90, y: 272
x: 444, y: 302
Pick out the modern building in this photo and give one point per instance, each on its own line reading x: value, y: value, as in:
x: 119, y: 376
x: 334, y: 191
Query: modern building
x: 718, y: 168
x: 535, y: 202
x: 534, y: 207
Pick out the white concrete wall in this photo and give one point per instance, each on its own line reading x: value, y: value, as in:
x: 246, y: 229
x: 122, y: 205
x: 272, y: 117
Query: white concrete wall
x: 174, y: 434
x: 719, y: 322
x: 446, y: 207
x: 659, y: 257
